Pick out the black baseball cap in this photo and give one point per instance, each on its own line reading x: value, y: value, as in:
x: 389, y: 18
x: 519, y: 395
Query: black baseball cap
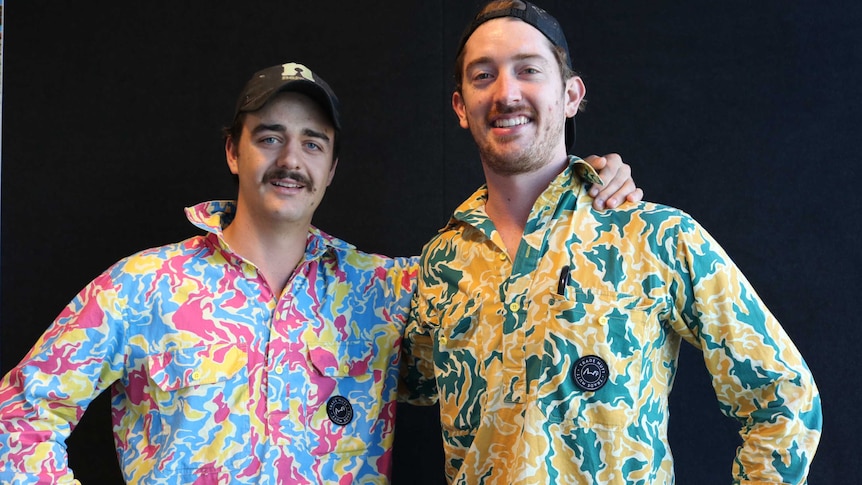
x: 529, y: 13
x: 544, y: 23
x: 291, y: 76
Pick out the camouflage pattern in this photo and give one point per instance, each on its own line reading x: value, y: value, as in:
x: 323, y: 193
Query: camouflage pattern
x: 214, y: 379
x: 497, y: 341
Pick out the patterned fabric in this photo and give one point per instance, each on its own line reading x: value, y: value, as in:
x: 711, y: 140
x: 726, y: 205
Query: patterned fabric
x: 215, y: 379
x: 544, y: 378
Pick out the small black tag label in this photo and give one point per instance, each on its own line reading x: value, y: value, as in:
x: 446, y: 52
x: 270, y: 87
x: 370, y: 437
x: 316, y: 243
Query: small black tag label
x: 590, y: 373
x: 339, y: 410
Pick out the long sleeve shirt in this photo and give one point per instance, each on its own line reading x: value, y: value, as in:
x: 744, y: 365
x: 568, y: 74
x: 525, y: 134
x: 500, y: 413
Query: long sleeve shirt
x: 556, y: 366
x: 214, y: 379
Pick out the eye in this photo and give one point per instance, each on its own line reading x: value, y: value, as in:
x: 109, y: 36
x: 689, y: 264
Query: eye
x: 313, y: 146
x: 269, y: 140
x: 482, y: 76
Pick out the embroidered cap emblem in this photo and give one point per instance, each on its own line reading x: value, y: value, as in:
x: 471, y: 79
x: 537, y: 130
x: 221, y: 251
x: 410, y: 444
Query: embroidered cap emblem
x: 339, y: 410
x: 590, y: 373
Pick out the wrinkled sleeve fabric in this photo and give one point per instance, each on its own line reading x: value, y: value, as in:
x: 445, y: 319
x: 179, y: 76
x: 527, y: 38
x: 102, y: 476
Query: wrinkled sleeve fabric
x: 759, y: 376
x: 45, y: 395
x: 418, y: 385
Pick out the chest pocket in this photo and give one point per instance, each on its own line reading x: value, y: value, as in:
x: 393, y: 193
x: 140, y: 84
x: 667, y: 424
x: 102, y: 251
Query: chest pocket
x: 460, y: 350
x: 202, y: 397
x: 593, y: 324
x: 345, y: 399
x: 197, y: 366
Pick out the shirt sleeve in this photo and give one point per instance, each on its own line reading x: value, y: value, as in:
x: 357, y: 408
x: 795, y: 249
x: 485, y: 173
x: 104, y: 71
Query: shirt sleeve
x: 759, y: 376
x: 45, y: 395
x: 418, y: 385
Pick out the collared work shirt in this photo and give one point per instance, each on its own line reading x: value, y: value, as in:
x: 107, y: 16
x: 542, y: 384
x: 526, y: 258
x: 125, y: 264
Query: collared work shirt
x: 555, y: 367
x: 214, y: 379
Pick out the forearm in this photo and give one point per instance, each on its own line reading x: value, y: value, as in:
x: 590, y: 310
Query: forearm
x: 32, y: 438
x: 780, y: 439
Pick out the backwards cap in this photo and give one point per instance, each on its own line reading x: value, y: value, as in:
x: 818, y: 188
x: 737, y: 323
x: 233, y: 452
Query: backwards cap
x: 544, y: 23
x: 529, y: 13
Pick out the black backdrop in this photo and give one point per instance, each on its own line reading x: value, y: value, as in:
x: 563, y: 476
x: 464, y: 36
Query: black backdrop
x: 745, y: 114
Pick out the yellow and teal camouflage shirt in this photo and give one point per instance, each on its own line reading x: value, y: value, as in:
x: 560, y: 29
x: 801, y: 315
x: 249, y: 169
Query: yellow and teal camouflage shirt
x: 214, y: 378
x: 556, y: 367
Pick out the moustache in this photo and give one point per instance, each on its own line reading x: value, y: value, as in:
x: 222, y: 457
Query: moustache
x: 282, y: 173
x: 505, y: 109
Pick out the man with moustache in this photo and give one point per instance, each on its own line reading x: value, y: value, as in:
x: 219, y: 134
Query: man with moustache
x: 549, y: 332
x: 264, y: 351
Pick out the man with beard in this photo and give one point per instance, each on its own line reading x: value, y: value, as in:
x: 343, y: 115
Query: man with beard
x: 549, y: 332
x: 262, y: 352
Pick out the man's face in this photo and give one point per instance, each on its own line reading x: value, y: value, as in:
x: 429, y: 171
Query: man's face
x: 284, y: 159
x: 513, y: 99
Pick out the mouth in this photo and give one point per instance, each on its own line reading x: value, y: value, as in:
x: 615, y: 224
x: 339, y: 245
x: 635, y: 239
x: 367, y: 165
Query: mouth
x: 288, y: 180
x: 510, y: 122
x: 287, y: 184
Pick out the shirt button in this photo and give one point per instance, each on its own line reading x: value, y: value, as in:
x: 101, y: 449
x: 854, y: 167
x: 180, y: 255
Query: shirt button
x: 279, y: 369
x: 196, y: 375
x: 502, y: 256
x: 443, y: 340
x: 514, y: 306
x: 345, y: 369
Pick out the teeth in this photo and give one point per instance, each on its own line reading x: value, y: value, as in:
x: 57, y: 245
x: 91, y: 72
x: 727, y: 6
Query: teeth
x: 287, y: 185
x: 506, y: 123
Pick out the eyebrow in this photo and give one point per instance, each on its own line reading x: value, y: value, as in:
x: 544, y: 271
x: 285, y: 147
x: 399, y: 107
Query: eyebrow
x: 316, y: 134
x: 488, y: 59
x: 281, y: 129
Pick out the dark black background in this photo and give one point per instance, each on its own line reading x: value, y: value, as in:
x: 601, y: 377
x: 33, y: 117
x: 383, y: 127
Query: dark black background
x: 744, y: 114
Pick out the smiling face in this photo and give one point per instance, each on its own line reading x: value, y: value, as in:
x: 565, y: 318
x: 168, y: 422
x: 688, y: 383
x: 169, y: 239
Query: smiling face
x: 284, y: 160
x: 513, y: 98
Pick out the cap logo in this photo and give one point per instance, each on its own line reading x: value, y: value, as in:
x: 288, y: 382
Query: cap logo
x: 292, y: 70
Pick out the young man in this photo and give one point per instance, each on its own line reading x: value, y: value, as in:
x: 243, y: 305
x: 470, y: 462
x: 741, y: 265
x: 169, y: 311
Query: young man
x: 549, y: 332
x: 264, y: 349
x: 262, y: 352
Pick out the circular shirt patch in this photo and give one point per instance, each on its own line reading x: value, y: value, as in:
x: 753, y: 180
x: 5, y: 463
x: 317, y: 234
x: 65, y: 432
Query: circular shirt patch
x: 339, y: 410
x: 590, y: 373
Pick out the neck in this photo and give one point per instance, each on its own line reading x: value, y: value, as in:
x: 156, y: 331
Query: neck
x: 275, y: 249
x: 511, y: 198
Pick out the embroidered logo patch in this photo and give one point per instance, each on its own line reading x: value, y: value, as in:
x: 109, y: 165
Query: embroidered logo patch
x: 339, y: 410
x: 590, y: 373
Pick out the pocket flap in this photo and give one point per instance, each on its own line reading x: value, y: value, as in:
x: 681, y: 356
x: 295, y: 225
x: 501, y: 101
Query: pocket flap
x: 195, y: 366
x: 341, y: 358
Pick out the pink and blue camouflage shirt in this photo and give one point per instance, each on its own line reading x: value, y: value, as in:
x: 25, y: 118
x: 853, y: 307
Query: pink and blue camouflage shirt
x: 213, y: 378
x: 555, y: 366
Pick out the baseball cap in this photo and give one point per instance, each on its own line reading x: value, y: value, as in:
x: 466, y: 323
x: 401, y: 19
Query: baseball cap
x: 544, y: 23
x: 529, y: 13
x: 291, y: 76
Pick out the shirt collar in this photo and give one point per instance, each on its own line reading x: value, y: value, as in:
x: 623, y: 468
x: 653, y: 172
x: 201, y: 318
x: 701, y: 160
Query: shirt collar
x: 577, y: 173
x: 214, y: 216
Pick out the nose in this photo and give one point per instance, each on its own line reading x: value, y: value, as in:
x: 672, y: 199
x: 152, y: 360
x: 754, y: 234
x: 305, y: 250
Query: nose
x: 289, y: 156
x: 507, y: 90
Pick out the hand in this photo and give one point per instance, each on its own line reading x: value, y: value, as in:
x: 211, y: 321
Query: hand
x: 619, y: 185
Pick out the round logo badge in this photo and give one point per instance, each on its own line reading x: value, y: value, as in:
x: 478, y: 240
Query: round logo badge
x: 590, y: 373
x: 339, y: 410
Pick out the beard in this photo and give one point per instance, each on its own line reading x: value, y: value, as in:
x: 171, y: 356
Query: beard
x: 517, y: 156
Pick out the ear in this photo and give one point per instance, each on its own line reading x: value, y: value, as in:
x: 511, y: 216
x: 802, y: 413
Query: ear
x: 575, y: 92
x: 460, y: 109
x: 231, y: 154
x: 332, y: 172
